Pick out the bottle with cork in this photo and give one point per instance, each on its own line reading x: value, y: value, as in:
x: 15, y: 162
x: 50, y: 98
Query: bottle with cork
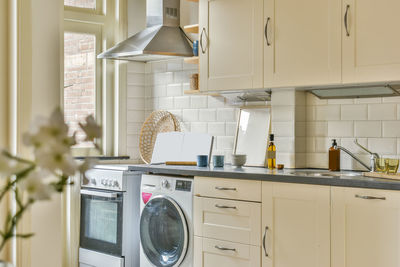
x: 271, y: 153
x: 334, y: 157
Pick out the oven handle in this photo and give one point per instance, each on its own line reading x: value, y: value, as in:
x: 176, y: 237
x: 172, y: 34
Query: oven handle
x: 98, y: 193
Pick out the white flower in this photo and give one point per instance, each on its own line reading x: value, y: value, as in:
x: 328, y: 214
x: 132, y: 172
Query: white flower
x: 57, y: 159
x: 35, y: 187
x: 91, y: 128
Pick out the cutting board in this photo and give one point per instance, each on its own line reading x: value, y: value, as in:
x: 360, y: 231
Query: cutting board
x: 181, y: 147
x: 382, y: 175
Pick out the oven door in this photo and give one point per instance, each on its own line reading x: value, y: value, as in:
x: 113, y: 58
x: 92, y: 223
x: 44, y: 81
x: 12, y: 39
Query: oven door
x: 101, y: 221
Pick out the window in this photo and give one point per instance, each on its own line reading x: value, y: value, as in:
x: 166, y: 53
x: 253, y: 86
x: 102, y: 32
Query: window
x: 90, y: 28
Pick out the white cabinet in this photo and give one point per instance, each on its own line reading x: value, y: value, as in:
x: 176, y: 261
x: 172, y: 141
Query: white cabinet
x: 302, y: 42
x: 230, y: 45
x: 217, y: 253
x: 296, y: 225
x: 365, y: 227
x: 371, y: 42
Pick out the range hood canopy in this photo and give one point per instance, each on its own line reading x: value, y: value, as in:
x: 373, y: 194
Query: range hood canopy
x: 357, y: 91
x: 162, y: 39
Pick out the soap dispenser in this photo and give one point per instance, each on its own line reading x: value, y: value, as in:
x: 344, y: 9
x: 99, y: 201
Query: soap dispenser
x: 334, y: 157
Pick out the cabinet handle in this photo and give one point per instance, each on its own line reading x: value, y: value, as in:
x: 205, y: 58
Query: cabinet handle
x: 225, y: 188
x: 266, y: 31
x: 222, y: 248
x: 370, y: 197
x: 224, y: 207
x: 346, y: 20
x: 264, y: 239
x: 203, y: 48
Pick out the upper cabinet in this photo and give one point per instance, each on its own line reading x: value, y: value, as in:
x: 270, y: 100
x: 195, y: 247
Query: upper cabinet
x: 230, y: 45
x: 371, y: 40
x: 302, y: 42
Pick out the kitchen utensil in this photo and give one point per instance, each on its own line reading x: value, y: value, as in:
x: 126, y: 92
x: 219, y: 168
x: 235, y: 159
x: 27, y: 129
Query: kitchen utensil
x: 218, y: 161
x: 184, y: 163
x: 194, y: 81
x: 158, y: 122
x: 238, y: 160
x: 280, y: 166
x: 202, y: 160
x: 196, y: 48
x: 382, y: 175
x: 380, y: 165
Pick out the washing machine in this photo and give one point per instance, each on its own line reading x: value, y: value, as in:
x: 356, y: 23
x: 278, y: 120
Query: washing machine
x: 166, y: 221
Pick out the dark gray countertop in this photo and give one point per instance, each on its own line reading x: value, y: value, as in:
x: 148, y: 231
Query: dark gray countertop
x: 301, y: 176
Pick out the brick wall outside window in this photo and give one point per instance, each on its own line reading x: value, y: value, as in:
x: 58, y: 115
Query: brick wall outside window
x: 79, y: 79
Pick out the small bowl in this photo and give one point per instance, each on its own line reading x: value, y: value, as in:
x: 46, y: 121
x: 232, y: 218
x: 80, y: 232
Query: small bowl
x: 238, y: 160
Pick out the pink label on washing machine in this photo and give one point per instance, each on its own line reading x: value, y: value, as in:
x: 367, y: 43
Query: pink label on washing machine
x: 146, y: 197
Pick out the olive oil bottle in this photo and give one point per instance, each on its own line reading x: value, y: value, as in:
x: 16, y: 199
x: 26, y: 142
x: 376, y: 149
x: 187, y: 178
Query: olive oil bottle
x: 271, y: 153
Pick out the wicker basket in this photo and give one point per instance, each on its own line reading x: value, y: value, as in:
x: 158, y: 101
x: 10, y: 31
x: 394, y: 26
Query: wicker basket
x: 158, y: 122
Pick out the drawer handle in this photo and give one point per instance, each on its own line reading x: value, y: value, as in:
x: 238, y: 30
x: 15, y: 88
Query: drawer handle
x: 346, y: 20
x: 225, y: 249
x: 370, y: 197
x: 264, y: 239
x: 225, y: 207
x: 225, y: 188
x: 266, y: 31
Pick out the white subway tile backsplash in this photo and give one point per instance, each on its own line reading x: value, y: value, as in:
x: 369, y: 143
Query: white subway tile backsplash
x: 327, y: 112
x: 199, y: 127
x: 175, y: 65
x: 300, y: 113
x: 224, y: 142
x: 283, y: 129
x: 182, y: 102
x: 398, y: 112
x: 285, y: 144
x: 383, y: 145
x: 367, y: 129
x: 382, y: 111
x: 283, y: 113
x: 135, y: 116
x: 313, y: 100
x: 166, y: 103
x: 135, y: 103
x: 136, y: 67
x: 230, y: 128
x: 133, y: 127
x: 398, y: 146
x: 317, y: 129
x: 198, y: 101
x: 283, y: 97
x: 340, y: 129
x: 190, y: 115
x: 135, y: 91
x: 216, y: 128
x: 216, y: 101
x: 159, y: 91
x: 317, y: 160
x: 160, y: 66
x: 132, y: 140
x: 226, y: 114
x: 174, y: 89
x: 310, y: 144
x: 322, y: 144
x: 391, y: 128
x: 208, y: 115
x: 310, y: 113
x: 354, y: 112
x: 135, y: 79
x: 350, y: 145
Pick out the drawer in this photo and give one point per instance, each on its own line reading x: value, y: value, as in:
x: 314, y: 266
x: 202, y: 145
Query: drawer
x: 228, y: 188
x: 213, y: 253
x: 229, y: 220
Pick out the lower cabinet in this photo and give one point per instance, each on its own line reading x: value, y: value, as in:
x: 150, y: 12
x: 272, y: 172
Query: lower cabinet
x: 216, y: 253
x: 296, y: 225
x: 365, y: 227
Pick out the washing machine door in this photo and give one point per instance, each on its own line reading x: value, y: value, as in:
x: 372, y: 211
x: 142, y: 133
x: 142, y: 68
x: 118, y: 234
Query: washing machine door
x: 163, y: 232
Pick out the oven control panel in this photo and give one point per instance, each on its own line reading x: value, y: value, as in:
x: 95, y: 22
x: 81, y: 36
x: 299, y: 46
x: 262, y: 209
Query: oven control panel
x: 183, y: 185
x: 104, y: 179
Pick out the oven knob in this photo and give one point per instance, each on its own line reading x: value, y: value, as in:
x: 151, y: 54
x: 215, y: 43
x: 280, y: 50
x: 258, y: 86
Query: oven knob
x: 165, y: 184
x: 103, y: 182
x: 110, y: 182
x: 116, y: 184
x: 93, y: 181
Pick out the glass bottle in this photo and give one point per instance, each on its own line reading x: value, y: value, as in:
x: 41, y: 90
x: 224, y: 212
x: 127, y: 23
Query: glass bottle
x: 271, y: 153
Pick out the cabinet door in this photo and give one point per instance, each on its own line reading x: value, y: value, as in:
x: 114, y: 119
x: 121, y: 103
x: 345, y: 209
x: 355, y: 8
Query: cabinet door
x: 229, y: 220
x: 371, y: 48
x: 365, y: 228
x: 230, y: 44
x: 296, y: 225
x: 213, y: 253
x: 302, y: 42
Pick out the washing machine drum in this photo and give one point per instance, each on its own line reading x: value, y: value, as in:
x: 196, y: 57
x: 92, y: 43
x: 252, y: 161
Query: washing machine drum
x: 163, y: 232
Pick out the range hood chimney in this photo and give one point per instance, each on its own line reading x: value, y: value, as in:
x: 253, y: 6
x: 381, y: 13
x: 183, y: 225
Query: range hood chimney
x: 162, y: 39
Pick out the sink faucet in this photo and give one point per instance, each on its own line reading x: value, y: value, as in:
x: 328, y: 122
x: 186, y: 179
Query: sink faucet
x: 374, y: 156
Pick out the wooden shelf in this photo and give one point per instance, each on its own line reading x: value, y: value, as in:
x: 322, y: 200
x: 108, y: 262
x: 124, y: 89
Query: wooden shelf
x: 191, y: 60
x: 198, y: 92
x: 191, y: 28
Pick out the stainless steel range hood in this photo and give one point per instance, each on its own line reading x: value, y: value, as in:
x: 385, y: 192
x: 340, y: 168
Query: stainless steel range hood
x: 357, y: 91
x: 162, y: 39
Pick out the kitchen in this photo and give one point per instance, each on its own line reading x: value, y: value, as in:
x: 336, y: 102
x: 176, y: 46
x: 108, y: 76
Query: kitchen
x: 344, y: 51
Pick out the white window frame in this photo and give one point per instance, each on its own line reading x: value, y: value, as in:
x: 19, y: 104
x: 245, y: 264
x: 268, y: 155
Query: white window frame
x: 108, y: 23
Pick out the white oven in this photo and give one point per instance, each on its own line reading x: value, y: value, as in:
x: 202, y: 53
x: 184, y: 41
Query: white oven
x: 110, y: 217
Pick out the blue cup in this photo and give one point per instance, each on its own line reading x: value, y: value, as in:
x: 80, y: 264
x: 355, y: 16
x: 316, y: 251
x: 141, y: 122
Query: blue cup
x: 196, y: 48
x: 218, y: 161
x: 202, y: 160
